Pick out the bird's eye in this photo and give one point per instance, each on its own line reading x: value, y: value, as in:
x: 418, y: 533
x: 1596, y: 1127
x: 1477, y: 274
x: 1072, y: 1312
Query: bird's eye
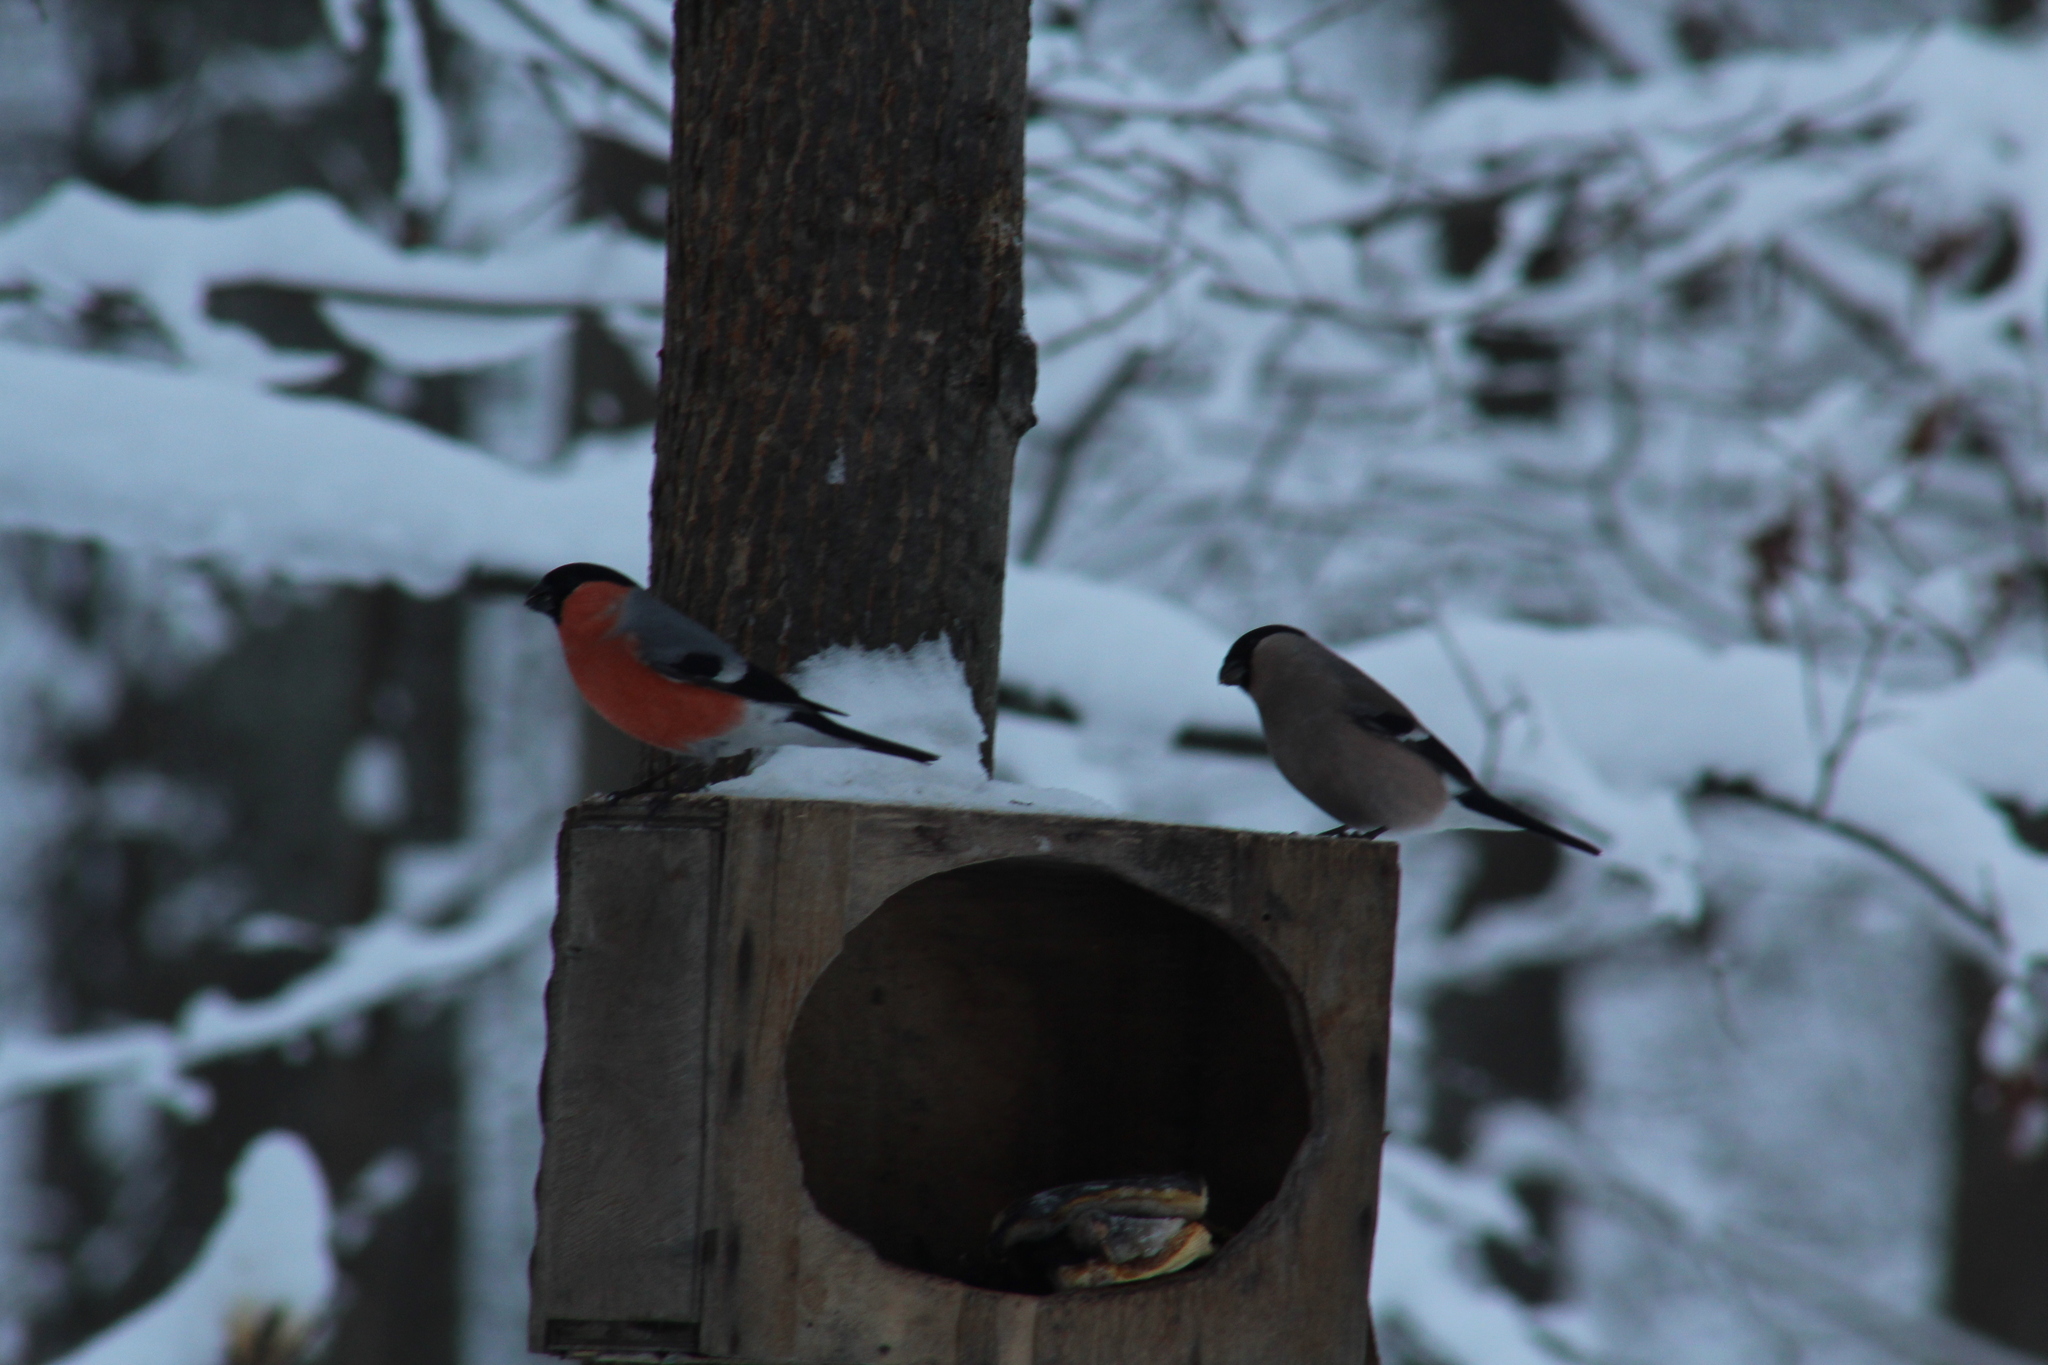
x: 706, y: 665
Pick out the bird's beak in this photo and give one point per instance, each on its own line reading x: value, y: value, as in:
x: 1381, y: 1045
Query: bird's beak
x: 1233, y: 674
x: 541, y: 600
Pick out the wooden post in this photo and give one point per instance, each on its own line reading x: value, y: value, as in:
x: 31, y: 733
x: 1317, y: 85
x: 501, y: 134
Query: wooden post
x: 801, y: 1053
x: 845, y: 373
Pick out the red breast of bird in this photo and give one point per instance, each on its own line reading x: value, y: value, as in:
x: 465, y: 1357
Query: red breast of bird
x: 605, y: 662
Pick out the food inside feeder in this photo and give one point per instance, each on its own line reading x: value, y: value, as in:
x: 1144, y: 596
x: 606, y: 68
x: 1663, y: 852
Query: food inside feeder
x: 1108, y: 1232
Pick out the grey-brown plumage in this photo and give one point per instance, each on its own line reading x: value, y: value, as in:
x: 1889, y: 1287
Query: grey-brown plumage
x: 1350, y: 746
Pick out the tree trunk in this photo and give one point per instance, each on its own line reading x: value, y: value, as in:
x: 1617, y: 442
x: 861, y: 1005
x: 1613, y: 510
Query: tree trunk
x: 845, y: 374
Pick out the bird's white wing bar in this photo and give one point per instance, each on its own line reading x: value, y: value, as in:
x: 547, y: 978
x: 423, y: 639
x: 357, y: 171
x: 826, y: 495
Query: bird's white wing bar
x: 1409, y: 733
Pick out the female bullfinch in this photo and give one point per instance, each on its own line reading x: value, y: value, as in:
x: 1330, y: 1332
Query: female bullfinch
x: 1348, y: 745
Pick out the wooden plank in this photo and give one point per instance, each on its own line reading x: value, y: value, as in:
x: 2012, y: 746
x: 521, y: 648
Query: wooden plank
x: 622, y: 1091
x: 777, y: 929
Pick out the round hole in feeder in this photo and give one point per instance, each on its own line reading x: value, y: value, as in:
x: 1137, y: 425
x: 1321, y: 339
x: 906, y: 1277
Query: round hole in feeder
x: 1003, y: 1028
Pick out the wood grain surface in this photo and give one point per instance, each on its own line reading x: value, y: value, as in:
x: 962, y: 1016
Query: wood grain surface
x: 623, y: 1088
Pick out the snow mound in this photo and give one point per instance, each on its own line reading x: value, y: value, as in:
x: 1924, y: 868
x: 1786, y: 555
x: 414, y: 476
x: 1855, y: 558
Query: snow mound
x: 1123, y: 658
x: 917, y: 696
x: 265, y: 1268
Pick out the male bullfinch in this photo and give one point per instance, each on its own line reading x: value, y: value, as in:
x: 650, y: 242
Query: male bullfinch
x: 669, y: 682
x: 1348, y: 745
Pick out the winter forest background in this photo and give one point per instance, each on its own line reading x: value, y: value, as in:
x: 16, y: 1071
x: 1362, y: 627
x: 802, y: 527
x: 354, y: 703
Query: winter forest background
x: 1654, y: 392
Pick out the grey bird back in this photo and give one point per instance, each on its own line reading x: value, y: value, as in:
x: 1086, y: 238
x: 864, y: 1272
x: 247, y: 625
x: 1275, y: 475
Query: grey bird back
x: 672, y: 643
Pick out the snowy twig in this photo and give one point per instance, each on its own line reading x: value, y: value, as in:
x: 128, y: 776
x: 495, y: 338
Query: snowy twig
x: 1855, y: 714
x: 1228, y: 120
x: 1500, y: 944
x: 536, y: 19
x: 1531, y: 1138
x: 526, y: 303
x: 1068, y: 445
x: 1101, y: 325
x: 1279, y: 445
x: 1493, y: 718
x: 1611, y: 521
x: 1865, y: 320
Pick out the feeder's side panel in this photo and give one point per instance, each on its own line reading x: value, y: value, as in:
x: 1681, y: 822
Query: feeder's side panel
x: 616, y: 1257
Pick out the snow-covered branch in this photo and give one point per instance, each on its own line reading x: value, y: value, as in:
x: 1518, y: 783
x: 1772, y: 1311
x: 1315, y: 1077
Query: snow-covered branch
x: 315, y: 490
x: 1525, y: 1140
x: 422, y: 309
x: 397, y: 954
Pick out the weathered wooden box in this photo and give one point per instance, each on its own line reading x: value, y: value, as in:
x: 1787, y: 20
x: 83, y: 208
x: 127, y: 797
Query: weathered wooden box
x: 801, y: 1053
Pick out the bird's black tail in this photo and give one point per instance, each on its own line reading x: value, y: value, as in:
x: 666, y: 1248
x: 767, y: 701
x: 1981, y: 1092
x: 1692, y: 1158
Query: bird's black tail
x: 824, y: 725
x: 1486, y: 803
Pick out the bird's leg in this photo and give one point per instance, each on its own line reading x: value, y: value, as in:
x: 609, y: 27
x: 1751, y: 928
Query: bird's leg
x: 638, y: 788
x: 1347, y: 832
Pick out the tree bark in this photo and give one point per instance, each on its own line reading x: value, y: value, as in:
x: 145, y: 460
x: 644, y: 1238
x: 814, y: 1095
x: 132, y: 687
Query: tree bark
x: 845, y: 373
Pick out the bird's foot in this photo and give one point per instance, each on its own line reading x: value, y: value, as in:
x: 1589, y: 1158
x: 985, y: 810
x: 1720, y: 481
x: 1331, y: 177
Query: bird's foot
x: 1347, y: 832
x: 653, y: 783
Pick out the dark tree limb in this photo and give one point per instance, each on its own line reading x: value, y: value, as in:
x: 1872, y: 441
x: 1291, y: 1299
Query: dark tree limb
x: 1974, y: 927
x: 845, y: 374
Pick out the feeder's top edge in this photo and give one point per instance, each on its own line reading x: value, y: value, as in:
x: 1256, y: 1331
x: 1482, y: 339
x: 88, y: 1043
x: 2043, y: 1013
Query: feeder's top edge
x: 688, y: 810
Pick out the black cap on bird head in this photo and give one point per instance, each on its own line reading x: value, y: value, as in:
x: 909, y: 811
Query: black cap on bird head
x: 549, y: 594
x: 1237, y: 664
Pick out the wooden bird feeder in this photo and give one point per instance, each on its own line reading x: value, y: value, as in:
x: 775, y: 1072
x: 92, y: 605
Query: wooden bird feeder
x: 802, y: 1053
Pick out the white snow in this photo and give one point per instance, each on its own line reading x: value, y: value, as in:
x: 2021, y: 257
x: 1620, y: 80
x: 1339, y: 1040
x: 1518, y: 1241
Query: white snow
x: 80, y: 236
x: 1425, y: 1281
x: 1050, y: 753
x: 427, y: 340
x: 605, y: 65
x: 1617, y: 725
x: 423, y: 125
x: 265, y: 1267
x: 435, y: 309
